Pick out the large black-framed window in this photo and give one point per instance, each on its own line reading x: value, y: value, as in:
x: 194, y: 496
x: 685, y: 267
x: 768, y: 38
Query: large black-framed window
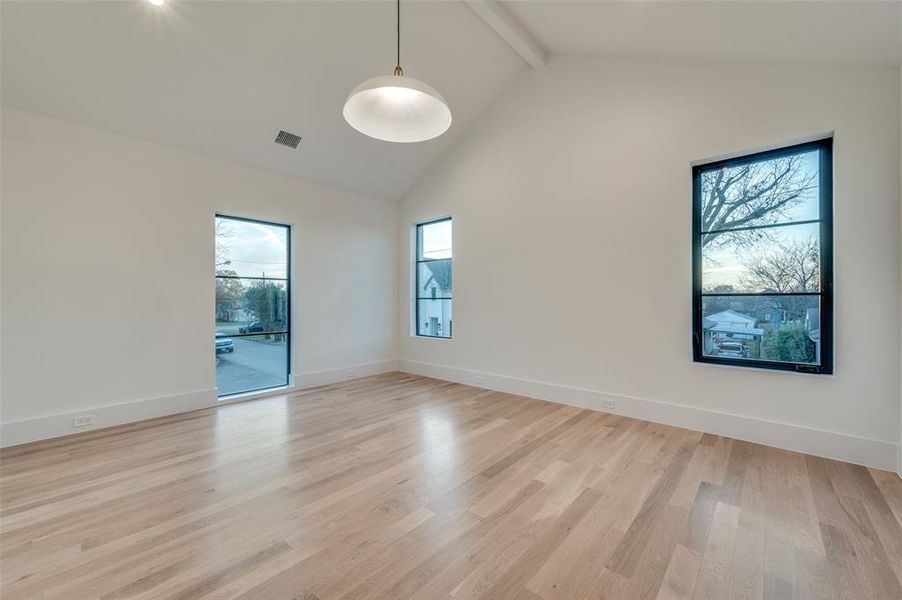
x: 252, y: 344
x: 762, y: 255
x: 432, y: 280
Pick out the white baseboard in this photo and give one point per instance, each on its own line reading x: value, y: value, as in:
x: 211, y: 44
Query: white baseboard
x: 829, y: 444
x: 317, y: 378
x: 14, y: 433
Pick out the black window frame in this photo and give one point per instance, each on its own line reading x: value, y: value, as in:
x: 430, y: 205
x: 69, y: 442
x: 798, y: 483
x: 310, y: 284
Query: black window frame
x: 416, y: 278
x: 286, y: 331
x: 825, y: 231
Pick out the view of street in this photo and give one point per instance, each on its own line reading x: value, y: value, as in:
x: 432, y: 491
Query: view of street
x: 253, y: 364
x: 251, y: 298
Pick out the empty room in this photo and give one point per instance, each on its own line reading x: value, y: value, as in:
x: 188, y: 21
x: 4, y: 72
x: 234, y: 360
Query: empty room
x: 451, y: 299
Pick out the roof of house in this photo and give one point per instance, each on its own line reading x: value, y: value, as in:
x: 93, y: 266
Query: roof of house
x: 441, y: 273
x: 731, y: 316
x: 731, y: 328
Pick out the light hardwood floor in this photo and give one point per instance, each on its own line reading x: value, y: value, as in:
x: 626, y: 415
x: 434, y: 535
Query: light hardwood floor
x: 398, y: 486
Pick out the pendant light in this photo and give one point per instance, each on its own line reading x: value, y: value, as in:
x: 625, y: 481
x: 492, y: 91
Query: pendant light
x: 397, y: 108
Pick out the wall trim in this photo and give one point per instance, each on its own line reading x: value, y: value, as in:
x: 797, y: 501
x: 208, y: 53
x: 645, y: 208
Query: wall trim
x: 317, y: 378
x: 14, y: 433
x: 35, y: 429
x: 820, y: 442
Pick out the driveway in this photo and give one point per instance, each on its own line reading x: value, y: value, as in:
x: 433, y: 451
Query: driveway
x: 252, y: 366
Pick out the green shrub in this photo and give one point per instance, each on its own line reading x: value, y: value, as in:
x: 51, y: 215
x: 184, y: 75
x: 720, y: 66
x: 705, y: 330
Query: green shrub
x: 790, y: 343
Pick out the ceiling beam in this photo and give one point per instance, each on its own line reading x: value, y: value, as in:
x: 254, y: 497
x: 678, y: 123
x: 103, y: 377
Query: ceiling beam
x: 501, y: 21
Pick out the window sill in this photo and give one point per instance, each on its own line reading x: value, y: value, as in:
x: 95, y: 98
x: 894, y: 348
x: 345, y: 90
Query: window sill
x: 276, y: 391
x: 430, y: 337
x: 764, y: 369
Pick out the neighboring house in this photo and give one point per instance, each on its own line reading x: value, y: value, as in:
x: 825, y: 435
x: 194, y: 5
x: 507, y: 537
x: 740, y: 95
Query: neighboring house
x: 813, y: 325
x: 734, y: 320
x: 728, y: 330
x: 772, y: 315
x: 438, y: 280
x: 813, y: 319
x: 435, y: 313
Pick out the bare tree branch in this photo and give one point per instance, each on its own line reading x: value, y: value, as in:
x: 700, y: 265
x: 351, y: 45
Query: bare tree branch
x: 754, y: 194
x: 790, y: 267
x: 221, y: 232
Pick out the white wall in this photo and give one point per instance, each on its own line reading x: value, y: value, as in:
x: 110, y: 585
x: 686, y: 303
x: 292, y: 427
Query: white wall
x: 107, y: 249
x: 572, y: 196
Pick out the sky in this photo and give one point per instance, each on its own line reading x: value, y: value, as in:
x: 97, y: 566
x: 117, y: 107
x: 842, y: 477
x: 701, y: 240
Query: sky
x: 803, y: 211
x: 437, y: 240
x: 254, y: 249
x: 726, y: 264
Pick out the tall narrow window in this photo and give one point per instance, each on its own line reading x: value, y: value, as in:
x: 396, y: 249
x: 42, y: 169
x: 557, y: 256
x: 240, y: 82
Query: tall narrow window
x: 253, y: 320
x: 432, y: 291
x: 763, y: 259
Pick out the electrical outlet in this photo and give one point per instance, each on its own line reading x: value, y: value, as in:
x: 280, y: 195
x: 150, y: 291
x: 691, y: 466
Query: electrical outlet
x: 83, y: 421
x: 607, y: 403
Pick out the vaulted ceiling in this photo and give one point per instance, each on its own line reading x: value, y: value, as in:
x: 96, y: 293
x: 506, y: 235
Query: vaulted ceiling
x: 222, y: 78
x: 834, y: 31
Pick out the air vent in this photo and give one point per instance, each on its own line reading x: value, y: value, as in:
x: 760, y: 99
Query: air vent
x: 288, y: 139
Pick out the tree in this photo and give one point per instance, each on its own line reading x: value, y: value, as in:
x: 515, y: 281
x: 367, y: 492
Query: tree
x: 789, y: 267
x: 229, y: 293
x: 716, y: 304
x: 267, y: 301
x: 758, y: 193
x: 789, y: 343
x: 221, y: 232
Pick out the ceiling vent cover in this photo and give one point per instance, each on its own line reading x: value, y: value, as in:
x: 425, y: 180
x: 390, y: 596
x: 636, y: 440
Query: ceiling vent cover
x: 288, y: 139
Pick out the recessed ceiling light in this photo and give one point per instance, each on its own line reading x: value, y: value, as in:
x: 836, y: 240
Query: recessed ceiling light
x: 157, y: 2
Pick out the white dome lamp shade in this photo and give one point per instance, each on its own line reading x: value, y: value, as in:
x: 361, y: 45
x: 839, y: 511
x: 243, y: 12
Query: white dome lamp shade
x: 397, y: 108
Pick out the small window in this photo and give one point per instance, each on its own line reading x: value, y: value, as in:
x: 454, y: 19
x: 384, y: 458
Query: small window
x: 762, y: 259
x: 432, y: 292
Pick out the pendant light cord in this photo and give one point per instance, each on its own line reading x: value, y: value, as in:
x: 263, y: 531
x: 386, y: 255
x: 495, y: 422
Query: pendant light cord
x: 398, y: 28
x: 398, y: 70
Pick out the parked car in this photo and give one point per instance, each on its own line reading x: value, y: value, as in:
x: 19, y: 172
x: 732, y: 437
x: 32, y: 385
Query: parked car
x: 731, y: 350
x: 224, y: 343
x: 255, y: 327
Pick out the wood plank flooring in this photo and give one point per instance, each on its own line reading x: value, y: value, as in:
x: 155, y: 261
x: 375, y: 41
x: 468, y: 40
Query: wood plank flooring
x: 399, y: 486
